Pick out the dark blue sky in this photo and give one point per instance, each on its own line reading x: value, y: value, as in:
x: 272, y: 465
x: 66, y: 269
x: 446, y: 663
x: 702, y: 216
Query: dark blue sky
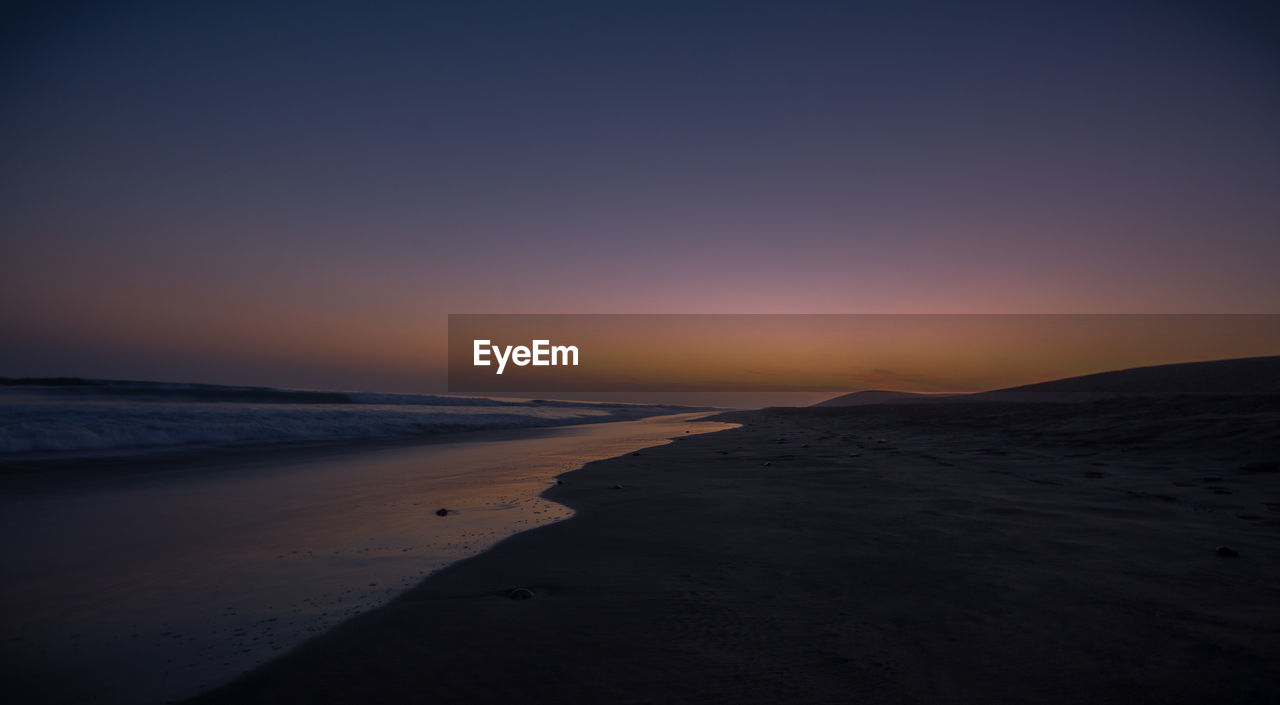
x: 297, y: 193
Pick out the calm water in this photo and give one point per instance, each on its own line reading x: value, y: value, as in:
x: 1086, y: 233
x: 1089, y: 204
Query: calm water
x: 176, y: 581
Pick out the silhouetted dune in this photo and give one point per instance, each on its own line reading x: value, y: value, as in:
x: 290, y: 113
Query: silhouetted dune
x: 1251, y: 375
x: 875, y: 396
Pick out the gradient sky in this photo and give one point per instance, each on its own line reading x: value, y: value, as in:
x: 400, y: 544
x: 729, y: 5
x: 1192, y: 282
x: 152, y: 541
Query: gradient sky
x: 297, y: 194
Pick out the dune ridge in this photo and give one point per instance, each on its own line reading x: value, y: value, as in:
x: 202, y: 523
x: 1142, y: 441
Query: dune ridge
x: 1251, y: 375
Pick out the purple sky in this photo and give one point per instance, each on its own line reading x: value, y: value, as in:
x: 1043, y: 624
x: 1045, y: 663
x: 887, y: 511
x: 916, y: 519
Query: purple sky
x: 296, y: 195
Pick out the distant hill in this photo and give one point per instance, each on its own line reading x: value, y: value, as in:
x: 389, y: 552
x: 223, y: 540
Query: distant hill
x: 876, y: 396
x: 1249, y: 375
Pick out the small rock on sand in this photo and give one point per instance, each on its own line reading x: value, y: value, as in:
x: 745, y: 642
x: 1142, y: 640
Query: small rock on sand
x: 1228, y: 552
x: 442, y: 512
x: 520, y: 593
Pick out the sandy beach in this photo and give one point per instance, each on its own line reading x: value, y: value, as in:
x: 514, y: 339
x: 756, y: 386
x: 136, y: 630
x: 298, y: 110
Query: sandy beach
x: 962, y: 553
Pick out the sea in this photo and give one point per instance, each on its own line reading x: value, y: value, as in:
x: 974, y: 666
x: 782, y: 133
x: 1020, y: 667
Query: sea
x: 159, y: 540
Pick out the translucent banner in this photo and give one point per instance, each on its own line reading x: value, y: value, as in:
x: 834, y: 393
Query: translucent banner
x: 545, y: 353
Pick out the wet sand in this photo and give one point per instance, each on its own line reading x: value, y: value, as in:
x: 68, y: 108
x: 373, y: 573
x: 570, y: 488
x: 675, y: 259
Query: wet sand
x: 140, y: 580
x: 962, y: 553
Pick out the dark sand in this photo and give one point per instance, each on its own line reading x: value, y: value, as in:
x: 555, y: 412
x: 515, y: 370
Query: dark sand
x: 953, y: 553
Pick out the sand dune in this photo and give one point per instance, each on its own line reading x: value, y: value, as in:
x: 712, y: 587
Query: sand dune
x: 873, y: 396
x: 1253, y: 375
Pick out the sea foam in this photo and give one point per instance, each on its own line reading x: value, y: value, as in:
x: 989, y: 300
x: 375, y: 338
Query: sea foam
x: 59, y: 416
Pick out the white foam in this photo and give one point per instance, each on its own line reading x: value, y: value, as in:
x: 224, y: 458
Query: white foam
x: 41, y: 426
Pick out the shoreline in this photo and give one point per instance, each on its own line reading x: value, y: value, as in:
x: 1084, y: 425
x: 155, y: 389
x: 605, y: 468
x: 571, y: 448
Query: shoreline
x: 18, y: 475
x: 156, y: 586
x: 907, y: 555
x: 57, y: 472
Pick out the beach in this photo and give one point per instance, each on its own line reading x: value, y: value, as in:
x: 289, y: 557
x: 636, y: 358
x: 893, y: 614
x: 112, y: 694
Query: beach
x: 1117, y: 550
x: 631, y: 353
x: 154, y: 577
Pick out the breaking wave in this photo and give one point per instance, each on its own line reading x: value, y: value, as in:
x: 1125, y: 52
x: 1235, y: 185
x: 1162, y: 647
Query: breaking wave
x: 75, y: 415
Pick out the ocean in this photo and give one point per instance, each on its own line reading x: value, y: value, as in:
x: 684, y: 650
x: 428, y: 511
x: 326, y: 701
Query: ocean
x: 154, y: 575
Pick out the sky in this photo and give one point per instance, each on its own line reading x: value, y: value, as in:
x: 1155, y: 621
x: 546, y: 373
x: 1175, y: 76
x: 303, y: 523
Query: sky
x: 297, y: 194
